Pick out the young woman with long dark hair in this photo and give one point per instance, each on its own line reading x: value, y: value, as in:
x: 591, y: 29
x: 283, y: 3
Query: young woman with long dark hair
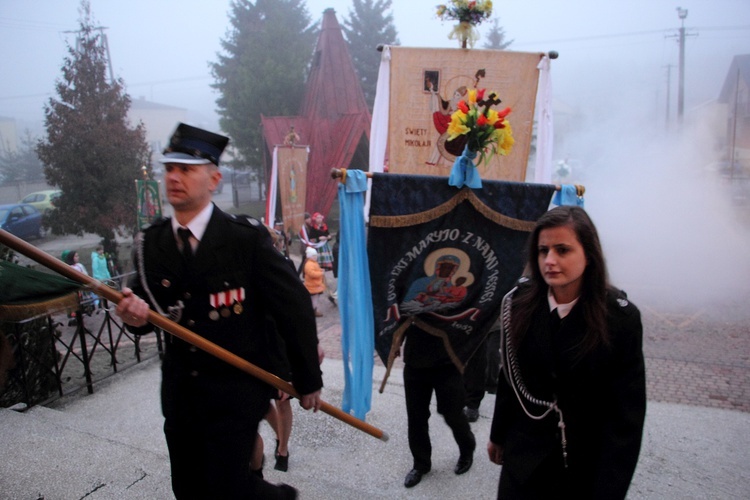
x: 570, y: 408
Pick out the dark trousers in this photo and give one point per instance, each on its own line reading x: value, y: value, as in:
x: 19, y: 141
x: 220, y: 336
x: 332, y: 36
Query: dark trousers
x: 447, y: 383
x: 211, y: 442
x: 475, y: 377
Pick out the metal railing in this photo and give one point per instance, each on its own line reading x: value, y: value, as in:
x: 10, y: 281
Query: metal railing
x: 88, y: 343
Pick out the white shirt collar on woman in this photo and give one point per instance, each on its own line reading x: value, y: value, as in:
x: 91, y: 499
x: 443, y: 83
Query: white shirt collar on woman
x: 562, y: 309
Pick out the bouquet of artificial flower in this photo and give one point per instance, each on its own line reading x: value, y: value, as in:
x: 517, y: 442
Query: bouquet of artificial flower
x: 465, y: 12
x: 485, y: 129
x: 468, y: 15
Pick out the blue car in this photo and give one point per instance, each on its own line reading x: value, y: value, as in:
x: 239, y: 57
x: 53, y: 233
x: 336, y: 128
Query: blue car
x: 22, y: 220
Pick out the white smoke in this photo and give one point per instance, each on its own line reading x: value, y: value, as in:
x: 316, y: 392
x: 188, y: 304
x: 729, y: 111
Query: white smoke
x: 670, y: 231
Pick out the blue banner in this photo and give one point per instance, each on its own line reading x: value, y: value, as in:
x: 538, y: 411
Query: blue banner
x: 442, y: 258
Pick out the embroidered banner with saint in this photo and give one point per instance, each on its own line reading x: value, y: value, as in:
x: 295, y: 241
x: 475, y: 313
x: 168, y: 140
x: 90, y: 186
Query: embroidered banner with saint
x: 441, y: 258
x: 425, y: 87
x: 149, y: 202
x: 292, y: 181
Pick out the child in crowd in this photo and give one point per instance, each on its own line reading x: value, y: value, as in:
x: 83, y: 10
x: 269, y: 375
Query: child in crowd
x: 314, y: 278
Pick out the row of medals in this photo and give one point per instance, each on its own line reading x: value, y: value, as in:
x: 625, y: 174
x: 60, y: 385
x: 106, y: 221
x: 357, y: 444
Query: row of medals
x: 225, y: 311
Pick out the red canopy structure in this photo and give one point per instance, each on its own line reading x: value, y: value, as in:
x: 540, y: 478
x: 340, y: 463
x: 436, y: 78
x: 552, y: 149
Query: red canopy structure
x: 334, y: 120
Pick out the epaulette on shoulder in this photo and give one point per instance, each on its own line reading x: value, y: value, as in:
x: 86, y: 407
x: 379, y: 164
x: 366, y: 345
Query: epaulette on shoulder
x: 247, y: 221
x: 619, y: 297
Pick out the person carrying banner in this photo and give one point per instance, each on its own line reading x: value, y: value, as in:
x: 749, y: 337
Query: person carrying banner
x: 570, y: 408
x: 427, y: 369
x: 220, y: 276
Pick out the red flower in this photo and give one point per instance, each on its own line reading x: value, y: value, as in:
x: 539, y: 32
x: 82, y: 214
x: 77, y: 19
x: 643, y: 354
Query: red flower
x: 482, y: 120
x: 503, y: 113
x: 463, y: 106
x: 480, y: 94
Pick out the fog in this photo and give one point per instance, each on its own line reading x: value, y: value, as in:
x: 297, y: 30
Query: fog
x: 669, y: 231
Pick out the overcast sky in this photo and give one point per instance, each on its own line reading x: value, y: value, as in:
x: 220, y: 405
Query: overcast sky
x: 608, y: 50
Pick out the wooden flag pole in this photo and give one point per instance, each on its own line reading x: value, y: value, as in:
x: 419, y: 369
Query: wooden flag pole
x: 180, y: 331
x: 340, y: 174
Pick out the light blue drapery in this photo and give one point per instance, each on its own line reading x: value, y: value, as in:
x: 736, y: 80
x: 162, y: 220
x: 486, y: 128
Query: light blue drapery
x: 355, y: 297
x: 464, y: 172
x: 567, y: 195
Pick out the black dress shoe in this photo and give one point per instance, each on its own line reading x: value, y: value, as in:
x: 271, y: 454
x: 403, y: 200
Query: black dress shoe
x: 463, y: 464
x: 282, y: 462
x: 413, y: 478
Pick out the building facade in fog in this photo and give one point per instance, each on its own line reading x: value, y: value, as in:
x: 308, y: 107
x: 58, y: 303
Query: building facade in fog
x: 159, y: 120
x: 8, y: 134
x: 735, y: 95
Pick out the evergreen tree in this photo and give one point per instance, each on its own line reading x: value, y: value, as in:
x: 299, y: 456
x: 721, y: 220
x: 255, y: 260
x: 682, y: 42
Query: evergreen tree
x: 496, y: 37
x: 367, y: 27
x: 21, y: 165
x: 262, y: 69
x: 91, y: 153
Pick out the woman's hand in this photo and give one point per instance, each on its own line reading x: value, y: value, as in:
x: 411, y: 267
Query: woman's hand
x: 495, y: 452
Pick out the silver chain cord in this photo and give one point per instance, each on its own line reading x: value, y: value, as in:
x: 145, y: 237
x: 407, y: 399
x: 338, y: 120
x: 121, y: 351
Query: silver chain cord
x: 175, y: 312
x: 516, y: 382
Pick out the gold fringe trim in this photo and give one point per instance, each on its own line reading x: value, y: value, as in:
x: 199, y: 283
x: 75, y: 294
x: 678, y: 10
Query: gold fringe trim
x: 25, y: 311
x: 465, y: 194
x: 398, y: 339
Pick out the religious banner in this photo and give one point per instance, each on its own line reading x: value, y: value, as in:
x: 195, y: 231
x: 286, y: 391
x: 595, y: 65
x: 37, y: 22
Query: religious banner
x: 442, y: 258
x: 149, y: 202
x: 425, y: 88
x: 292, y: 176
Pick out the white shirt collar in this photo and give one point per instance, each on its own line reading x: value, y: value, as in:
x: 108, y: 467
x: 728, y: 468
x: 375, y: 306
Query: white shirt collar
x: 198, y: 224
x: 562, y: 309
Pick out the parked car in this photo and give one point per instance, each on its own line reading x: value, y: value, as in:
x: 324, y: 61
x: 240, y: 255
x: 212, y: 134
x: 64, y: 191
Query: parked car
x: 22, y: 220
x: 43, y: 201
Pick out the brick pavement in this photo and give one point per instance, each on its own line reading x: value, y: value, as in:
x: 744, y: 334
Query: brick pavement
x: 697, y: 357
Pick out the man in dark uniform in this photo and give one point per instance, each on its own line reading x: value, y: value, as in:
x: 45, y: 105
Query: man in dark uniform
x: 220, y: 276
x: 428, y: 369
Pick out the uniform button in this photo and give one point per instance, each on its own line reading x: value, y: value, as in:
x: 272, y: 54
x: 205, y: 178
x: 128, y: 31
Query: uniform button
x: 187, y: 295
x: 191, y: 322
x: 193, y: 349
x: 194, y: 373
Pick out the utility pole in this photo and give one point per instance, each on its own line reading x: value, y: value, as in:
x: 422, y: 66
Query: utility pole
x: 104, y: 42
x: 682, y: 14
x: 669, y: 95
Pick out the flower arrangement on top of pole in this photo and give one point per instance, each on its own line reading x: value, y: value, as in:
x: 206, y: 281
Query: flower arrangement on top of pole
x: 486, y: 132
x: 468, y: 15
